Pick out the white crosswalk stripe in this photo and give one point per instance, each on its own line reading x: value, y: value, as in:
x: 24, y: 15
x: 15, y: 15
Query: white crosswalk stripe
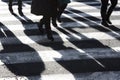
x: 83, y: 49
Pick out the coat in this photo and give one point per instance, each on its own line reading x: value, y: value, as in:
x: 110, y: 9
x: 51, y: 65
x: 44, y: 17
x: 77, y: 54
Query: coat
x: 60, y: 2
x: 44, y: 7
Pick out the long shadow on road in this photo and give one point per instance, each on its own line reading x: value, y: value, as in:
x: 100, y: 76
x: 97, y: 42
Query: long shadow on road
x: 16, y: 56
x: 77, y: 66
x: 93, y: 22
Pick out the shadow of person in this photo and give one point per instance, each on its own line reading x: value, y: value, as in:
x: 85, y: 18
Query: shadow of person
x: 114, y: 28
x: 85, y: 61
x: 69, y: 49
x: 56, y: 46
x: 87, y: 57
x: 93, y: 22
x: 18, y: 58
x: 75, y: 61
x: 50, y: 66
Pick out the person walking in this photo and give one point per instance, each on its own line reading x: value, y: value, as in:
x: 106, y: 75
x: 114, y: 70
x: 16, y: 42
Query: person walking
x: 107, y: 11
x: 19, y: 6
x: 47, y: 8
x: 61, y: 5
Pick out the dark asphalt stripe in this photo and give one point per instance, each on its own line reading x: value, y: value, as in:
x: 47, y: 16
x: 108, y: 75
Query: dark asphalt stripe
x: 74, y: 66
x: 81, y: 44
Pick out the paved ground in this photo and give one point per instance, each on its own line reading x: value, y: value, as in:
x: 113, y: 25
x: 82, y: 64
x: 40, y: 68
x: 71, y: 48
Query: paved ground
x: 83, y: 49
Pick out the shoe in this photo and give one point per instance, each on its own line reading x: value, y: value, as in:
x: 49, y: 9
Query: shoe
x: 105, y: 24
x: 108, y: 21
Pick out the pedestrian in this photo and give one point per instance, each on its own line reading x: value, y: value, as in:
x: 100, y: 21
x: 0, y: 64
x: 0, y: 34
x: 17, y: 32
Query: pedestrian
x: 19, y: 6
x: 48, y: 9
x: 106, y: 11
x: 61, y: 5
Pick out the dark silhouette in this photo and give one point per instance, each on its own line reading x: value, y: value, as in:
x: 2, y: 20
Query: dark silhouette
x: 47, y: 8
x: 61, y: 5
x: 107, y: 11
x: 12, y: 50
x: 19, y: 6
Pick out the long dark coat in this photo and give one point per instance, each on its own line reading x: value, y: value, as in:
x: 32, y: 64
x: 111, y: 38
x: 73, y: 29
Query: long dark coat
x: 44, y: 7
x: 61, y: 2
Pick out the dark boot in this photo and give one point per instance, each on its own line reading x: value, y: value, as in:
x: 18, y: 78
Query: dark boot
x: 108, y: 21
x: 104, y: 23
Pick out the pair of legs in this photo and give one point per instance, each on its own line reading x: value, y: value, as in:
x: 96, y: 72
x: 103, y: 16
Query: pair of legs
x: 60, y: 10
x: 46, y: 21
x: 106, y: 11
x: 19, y: 6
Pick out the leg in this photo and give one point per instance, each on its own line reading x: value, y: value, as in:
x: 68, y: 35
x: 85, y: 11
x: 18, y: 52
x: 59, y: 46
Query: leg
x: 110, y: 10
x: 48, y: 27
x: 54, y: 16
x: 57, y: 15
x: 60, y: 11
x: 20, y: 7
x: 103, y: 11
x: 54, y: 21
x: 40, y: 26
x: 10, y: 6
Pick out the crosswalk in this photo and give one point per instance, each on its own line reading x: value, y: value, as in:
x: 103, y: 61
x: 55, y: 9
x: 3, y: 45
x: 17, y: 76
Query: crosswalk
x: 83, y: 49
